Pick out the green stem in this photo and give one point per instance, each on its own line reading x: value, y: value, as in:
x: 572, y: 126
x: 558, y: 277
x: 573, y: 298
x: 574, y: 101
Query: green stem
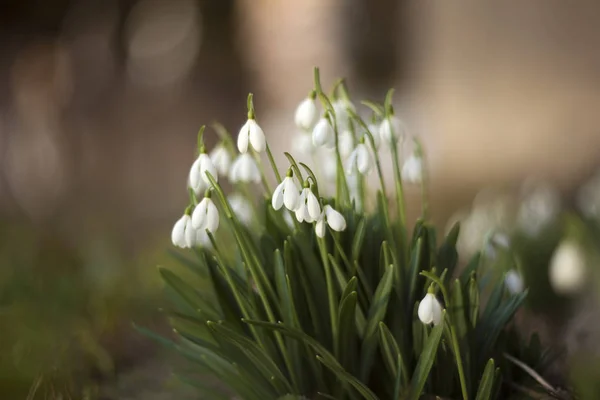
x: 273, y: 165
x: 263, y: 177
x: 400, y: 202
x: 330, y: 295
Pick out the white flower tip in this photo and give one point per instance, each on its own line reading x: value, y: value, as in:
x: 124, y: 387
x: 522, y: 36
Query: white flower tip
x: 568, y: 269
x: 430, y: 310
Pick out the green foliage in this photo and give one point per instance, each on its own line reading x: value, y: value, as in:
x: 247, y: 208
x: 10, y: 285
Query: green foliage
x: 281, y: 338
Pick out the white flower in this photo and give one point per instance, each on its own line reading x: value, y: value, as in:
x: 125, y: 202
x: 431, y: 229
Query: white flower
x: 514, y: 282
x: 360, y: 159
x: 539, y: 207
x: 183, y: 234
x: 340, y: 107
x: 333, y: 218
x: 390, y: 130
x: 568, y: 268
x: 430, y: 310
x: 412, y: 170
x: 198, y: 177
x: 323, y: 134
x: 241, y: 207
x: 346, y: 143
x: 306, y: 114
x: 251, y: 132
x: 302, y: 144
x: 179, y: 229
x: 287, y: 193
x: 244, y: 169
x: 221, y: 159
x: 374, y: 129
x: 206, y: 216
x: 308, y: 209
x: 202, y: 238
x: 289, y: 220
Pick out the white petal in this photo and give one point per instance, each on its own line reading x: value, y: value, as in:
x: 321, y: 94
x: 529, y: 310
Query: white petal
x: 302, y: 214
x: 322, y: 133
x: 202, y: 238
x: 514, y: 282
x: 425, y: 310
x: 241, y: 208
x: 243, y: 136
x: 194, y: 179
x: 320, y: 227
x: 351, y: 163
x: 312, y: 203
x: 374, y: 129
x: 568, y: 268
x: 291, y: 193
x: 177, y: 234
x: 336, y: 221
x: 363, y: 159
x: 412, y: 170
x: 206, y: 165
x: 277, y: 199
x: 390, y: 130
x: 302, y: 144
x: 221, y: 159
x: 306, y: 114
x: 190, y: 234
x: 199, y: 214
x: 345, y: 143
x: 212, y: 217
x: 257, y: 136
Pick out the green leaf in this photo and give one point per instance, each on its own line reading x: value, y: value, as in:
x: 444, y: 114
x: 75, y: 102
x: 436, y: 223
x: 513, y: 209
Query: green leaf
x: 487, y: 382
x: 359, y: 237
x: 457, y: 309
x: 257, y: 356
x: 473, y: 293
x: 425, y: 362
x: 347, y: 330
x: 377, y: 313
x: 391, y: 354
x: 447, y: 255
x: 346, y: 377
x: 189, y: 294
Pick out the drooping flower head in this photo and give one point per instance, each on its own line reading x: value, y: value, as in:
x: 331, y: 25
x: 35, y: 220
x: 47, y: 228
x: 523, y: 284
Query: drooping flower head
x: 430, y: 310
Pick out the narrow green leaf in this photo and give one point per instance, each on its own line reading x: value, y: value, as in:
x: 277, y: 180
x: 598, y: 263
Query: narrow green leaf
x: 425, y: 362
x: 346, y: 377
x: 359, y: 237
x: 257, y: 356
x: 457, y: 309
x: 189, y: 294
x: 377, y: 313
x: 347, y: 331
x: 391, y: 354
x: 473, y: 292
x: 487, y: 382
x: 447, y: 255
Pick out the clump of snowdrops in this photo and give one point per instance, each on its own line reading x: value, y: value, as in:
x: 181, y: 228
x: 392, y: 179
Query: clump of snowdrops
x: 319, y: 287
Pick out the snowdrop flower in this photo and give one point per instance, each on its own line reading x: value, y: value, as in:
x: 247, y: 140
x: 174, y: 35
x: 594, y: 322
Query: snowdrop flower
x: 346, y: 143
x: 514, y: 282
x: 253, y: 134
x: 360, y: 159
x: 289, y: 220
x: 244, y: 169
x: 241, y: 207
x: 390, y: 130
x: 306, y: 113
x: 374, y: 129
x: 412, y: 170
x: 286, y: 193
x: 340, y: 107
x: 302, y: 144
x: 323, y: 134
x: 430, y: 310
x: 331, y: 217
x: 183, y: 234
x: 202, y: 238
x: 206, y: 216
x: 567, y: 268
x: 588, y: 198
x: 538, y: 209
x: 221, y: 159
x: 308, y: 209
x: 198, y: 179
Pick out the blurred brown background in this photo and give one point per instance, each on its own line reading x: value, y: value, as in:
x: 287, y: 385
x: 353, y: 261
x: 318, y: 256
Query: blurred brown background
x: 100, y: 102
